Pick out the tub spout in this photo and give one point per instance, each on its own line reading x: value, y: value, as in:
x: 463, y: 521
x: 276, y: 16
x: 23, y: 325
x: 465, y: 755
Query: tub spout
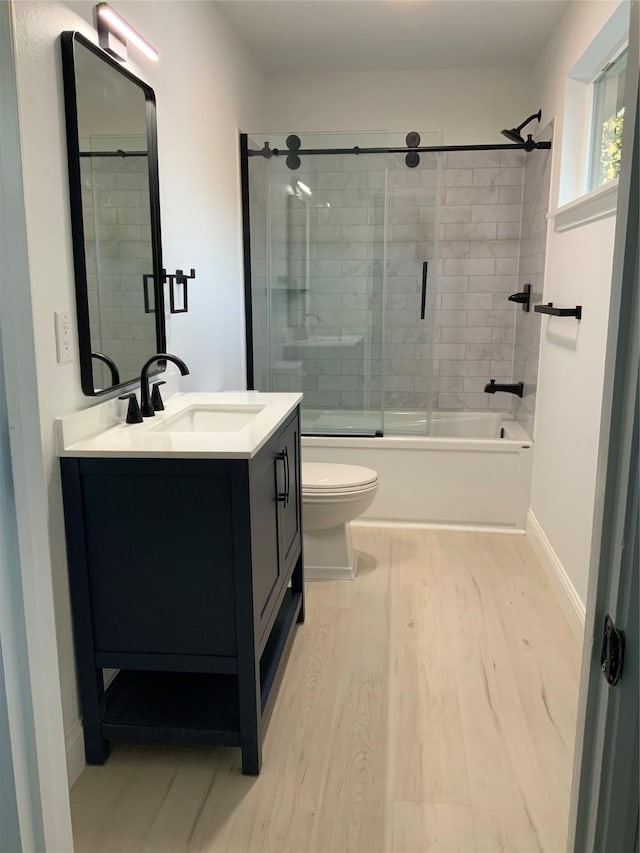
x: 516, y: 388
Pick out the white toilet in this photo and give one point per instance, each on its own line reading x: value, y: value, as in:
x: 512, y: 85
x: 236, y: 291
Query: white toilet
x: 333, y: 495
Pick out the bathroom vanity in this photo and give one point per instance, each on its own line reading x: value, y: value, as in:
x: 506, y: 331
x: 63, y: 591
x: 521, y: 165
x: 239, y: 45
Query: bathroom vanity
x: 185, y: 565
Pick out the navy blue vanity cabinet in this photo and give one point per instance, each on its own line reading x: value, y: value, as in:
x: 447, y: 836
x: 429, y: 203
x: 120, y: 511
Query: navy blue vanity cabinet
x: 186, y: 576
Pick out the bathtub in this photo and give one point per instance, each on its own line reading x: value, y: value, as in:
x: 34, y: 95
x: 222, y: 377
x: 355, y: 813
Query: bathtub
x: 463, y: 474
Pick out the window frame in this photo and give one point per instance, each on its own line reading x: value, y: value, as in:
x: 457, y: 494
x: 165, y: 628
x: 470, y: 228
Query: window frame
x: 572, y: 205
x: 593, y: 166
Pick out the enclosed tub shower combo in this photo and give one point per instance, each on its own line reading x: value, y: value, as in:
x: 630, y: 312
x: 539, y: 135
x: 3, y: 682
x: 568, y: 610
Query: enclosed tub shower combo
x: 392, y: 280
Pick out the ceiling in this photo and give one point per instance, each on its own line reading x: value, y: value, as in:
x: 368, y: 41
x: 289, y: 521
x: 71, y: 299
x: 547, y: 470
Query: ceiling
x: 294, y: 36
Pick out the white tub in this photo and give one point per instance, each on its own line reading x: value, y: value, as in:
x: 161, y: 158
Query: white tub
x: 476, y: 479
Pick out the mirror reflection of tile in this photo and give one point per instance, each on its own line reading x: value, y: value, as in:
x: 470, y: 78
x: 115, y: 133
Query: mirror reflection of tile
x: 116, y: 213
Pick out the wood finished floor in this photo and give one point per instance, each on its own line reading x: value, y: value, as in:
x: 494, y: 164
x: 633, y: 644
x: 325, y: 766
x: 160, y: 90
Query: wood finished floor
x: 427, y: 706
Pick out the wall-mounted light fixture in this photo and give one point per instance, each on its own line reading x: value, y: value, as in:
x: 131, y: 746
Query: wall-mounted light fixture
x: 114, y: 33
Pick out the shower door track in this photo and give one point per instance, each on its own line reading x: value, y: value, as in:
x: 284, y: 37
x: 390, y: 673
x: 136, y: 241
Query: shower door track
x: 369, y: 434
x: 277, y: 152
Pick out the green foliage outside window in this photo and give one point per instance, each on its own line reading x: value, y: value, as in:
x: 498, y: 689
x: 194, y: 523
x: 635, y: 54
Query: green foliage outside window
x: 611, y: 147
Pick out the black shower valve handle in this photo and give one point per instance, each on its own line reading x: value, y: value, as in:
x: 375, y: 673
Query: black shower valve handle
x: 523, y: 297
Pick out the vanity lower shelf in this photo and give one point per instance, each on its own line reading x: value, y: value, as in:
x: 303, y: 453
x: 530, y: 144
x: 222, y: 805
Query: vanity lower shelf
x: 185, y: 708
x: 194, y: 708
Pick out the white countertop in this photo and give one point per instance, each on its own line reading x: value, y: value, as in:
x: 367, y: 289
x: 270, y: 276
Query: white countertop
x: 95, y: 432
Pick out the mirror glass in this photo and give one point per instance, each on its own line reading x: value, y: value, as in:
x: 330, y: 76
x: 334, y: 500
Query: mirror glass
x: 115, y: 216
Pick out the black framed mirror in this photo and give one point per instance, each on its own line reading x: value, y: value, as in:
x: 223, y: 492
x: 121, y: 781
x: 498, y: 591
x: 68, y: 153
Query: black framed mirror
x: 115, y: 215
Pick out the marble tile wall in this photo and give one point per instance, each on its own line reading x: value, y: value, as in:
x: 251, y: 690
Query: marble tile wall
x: 533, y: 243
x: 345, y: 302
x: 479, y: 234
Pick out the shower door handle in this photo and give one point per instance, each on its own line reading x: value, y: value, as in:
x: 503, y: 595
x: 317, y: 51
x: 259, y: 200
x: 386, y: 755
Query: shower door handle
x: 423, y: 303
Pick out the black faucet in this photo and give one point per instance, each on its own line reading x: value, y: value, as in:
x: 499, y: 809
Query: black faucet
x: 113, y: 369
x: 146, y: 406
x: 516, y: 388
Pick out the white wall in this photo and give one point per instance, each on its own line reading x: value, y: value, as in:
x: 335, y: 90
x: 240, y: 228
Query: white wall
x: 467, y: 105
x: 27, y: 625
x: 578, y: 271
x: 206, y: 87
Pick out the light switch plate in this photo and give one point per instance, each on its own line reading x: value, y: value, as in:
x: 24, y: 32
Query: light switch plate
x: 63, y: 336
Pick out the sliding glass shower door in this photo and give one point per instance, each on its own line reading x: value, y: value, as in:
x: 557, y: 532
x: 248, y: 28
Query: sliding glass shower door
x: 413, y: 196
x: 344, y: 281
x: 358, y: 302
x: 324, y: 284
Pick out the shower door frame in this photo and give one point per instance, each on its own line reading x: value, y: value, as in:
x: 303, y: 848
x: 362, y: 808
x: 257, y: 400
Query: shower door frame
x: 246, y: 153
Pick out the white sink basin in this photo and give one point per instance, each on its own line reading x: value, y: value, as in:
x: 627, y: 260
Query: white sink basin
x: 211, y: 418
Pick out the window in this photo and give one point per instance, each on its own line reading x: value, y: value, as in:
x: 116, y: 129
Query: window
x: 608, y: 117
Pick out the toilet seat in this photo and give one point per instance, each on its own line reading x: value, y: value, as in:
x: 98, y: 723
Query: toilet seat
x: 323, y: 479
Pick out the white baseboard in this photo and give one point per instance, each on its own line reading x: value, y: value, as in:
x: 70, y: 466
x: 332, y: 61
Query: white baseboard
x: 430, y: 525
x: 328, y: 573
x: 74, y: 746
x: 559, y: 580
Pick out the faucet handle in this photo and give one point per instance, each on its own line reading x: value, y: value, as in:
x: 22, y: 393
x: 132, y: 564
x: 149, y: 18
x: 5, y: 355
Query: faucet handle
x: 134, y: 415
x: 156, y: 399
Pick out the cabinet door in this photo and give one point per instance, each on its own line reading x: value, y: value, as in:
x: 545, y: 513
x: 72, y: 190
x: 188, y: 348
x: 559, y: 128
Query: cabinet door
x: 289, y: 497
x: 159, y: 555
x: 264, y: 484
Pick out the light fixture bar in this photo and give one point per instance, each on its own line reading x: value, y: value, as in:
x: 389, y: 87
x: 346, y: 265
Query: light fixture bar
x: 112, y: 21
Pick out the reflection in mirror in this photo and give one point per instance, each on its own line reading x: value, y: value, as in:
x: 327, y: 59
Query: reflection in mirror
x: 117, y: 253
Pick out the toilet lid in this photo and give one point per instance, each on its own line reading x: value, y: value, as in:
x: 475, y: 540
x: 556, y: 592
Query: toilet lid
x: 329, y: 476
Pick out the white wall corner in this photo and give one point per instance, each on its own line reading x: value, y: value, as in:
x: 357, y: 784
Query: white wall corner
x: 74, y: 747
x: 559, y: 580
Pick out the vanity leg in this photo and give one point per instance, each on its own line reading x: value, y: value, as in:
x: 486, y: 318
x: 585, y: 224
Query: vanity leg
x: 250, y: 712
x: 251, y: 758
x: 297, y: 585
x: 96, y: 749
x: 90, y: 679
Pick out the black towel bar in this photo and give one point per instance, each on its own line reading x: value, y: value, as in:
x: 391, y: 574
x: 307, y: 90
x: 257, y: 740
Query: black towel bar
x: 559, y: 312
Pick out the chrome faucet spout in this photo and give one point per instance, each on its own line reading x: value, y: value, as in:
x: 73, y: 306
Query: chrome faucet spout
x: 146, y: 406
